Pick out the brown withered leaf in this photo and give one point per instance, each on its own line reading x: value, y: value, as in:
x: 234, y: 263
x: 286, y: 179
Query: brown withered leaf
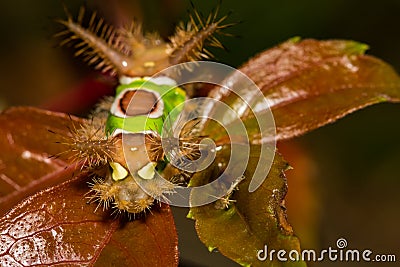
x: 56, y: 227
x: 26, y: 147
x: 252, y: 221
x: 311, y: 83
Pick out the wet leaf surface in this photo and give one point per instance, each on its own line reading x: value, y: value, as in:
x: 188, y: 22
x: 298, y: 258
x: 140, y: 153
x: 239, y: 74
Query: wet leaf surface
x: 27, y: 145
x: 56, y: 227
x: 308, y: 84
x: 311, y: 83
x: 252, y: 220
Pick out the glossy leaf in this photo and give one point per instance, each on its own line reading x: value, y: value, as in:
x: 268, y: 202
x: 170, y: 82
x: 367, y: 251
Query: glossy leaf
x: 308, y: 84
x: 27, y: 145
x: 252, y: 220
x: 311, y: 83
x: 56, y: 227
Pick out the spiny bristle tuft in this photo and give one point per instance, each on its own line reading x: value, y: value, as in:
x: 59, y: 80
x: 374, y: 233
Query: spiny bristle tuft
x: 100, y: 113
x: 87, y: 143
x: 158, y: 188
x: 154, y: 147
x: 101, y: 192
x: 142, y: 205
x: 104, y: 105
x: 225, y: 201
x: 190, y: 41
x: 98, y: 42
x: 189, y: 143
x: 138, y: 206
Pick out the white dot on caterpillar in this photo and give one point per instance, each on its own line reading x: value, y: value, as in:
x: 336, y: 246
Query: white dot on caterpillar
x: 134, y: 149
x: 149, y: 64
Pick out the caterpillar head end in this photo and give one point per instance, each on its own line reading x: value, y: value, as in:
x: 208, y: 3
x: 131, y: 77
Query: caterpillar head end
x: 129, y: 52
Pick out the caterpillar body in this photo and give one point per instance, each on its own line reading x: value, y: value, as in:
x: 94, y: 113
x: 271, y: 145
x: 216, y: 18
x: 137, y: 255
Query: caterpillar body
x: 138, y: 111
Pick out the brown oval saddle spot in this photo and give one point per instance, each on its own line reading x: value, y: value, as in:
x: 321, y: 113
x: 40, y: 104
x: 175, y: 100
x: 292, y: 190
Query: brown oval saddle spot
x: 138, y: 102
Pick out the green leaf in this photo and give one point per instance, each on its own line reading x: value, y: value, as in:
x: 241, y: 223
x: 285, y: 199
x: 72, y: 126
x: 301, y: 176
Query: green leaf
x: 252, y: 221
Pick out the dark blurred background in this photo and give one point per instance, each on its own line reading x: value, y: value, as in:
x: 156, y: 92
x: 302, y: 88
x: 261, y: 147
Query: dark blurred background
x: 345, y: 180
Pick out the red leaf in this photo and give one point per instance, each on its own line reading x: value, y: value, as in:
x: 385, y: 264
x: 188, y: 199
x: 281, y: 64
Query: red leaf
x: 55, y: 226
x: 311, y: 83
x: 27, y: 144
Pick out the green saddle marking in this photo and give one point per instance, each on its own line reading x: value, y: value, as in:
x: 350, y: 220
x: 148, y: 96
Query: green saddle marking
x: 171, y: 97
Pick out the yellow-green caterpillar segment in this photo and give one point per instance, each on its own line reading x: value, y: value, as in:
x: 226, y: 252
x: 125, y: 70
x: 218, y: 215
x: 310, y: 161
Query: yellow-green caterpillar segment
x: 136, y: 119
x: 141, y: 105
x: 167, y: 98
